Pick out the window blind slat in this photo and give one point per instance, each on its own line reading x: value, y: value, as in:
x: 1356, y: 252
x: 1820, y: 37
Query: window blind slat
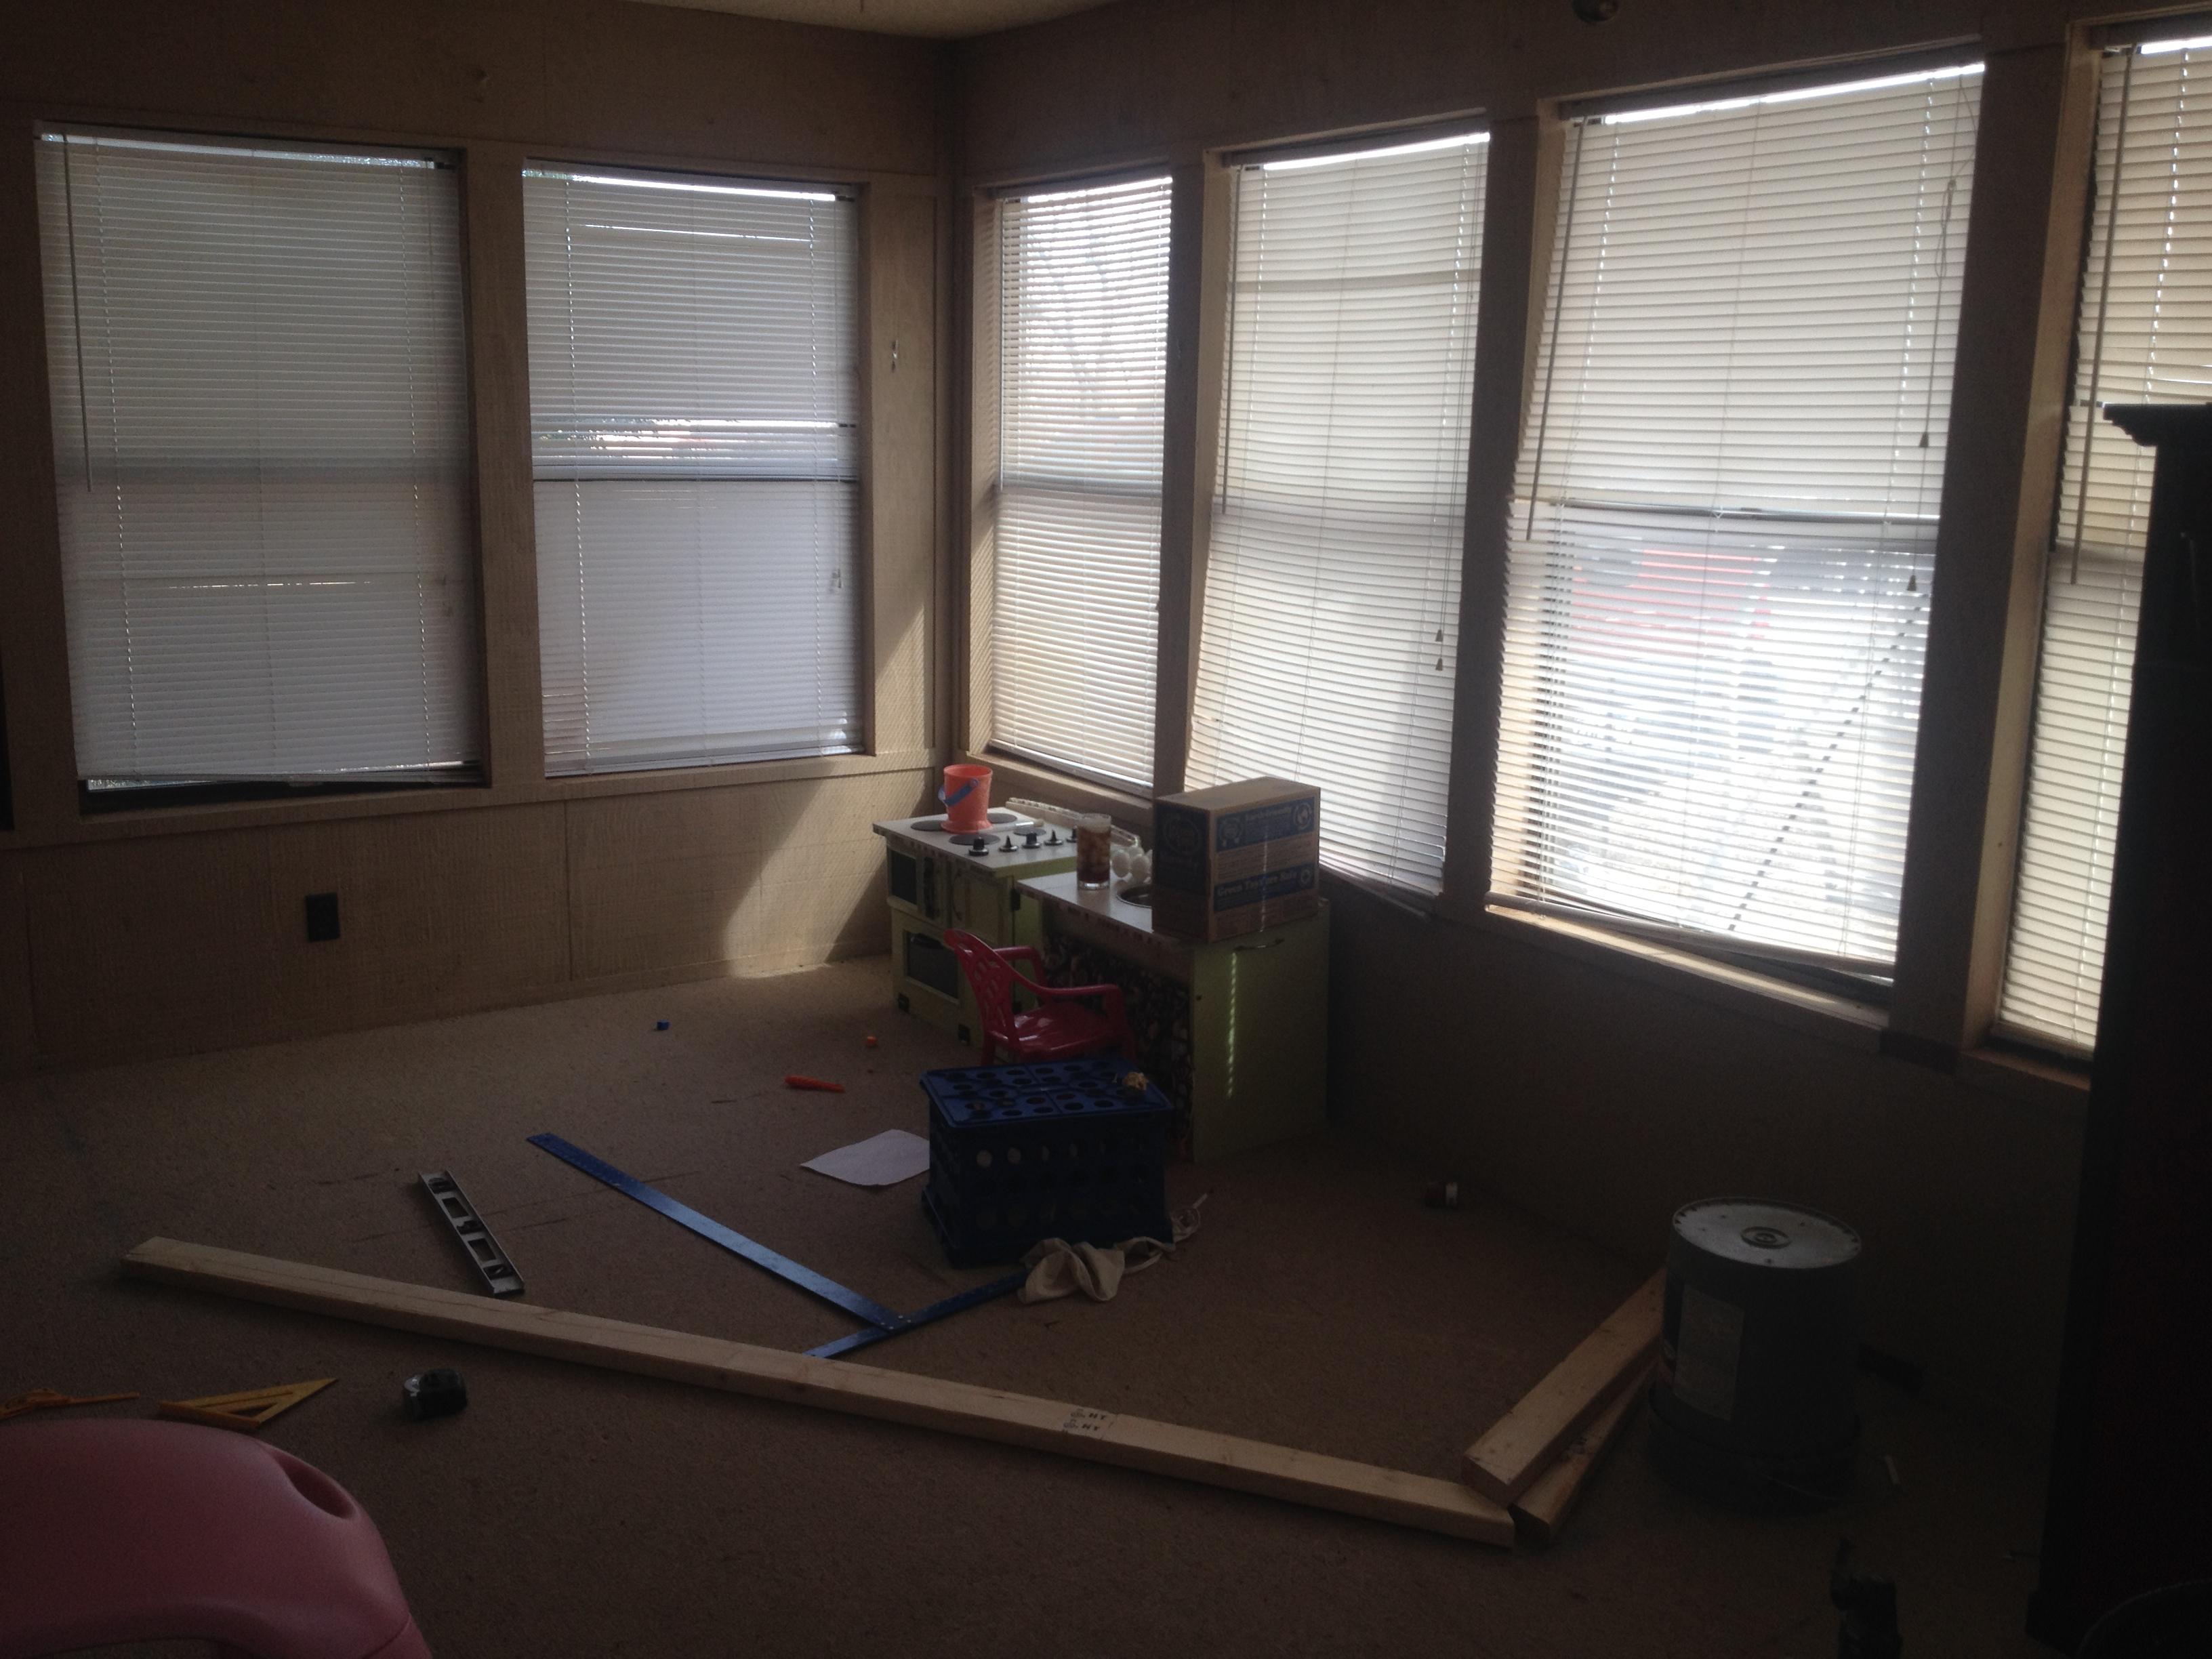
x: 1725, y: 514
x: 260, y: 412
x: 694, y: 410
x: 2144, y: 335
x: 1330, y: 638
x: 1082, y: 392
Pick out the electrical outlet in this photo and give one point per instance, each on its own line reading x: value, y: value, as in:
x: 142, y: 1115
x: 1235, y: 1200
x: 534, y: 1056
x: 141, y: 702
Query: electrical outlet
x: 322, y: 917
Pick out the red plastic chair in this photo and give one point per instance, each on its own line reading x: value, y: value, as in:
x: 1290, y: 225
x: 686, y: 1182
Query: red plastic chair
x: 150, y: 1532
x: 1060, y: 1027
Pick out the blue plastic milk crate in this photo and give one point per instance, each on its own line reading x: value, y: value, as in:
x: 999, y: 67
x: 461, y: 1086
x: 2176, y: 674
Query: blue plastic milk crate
x: 1017, y: 1153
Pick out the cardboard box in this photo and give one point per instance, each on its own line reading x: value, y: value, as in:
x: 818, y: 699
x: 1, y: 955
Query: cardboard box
x: 1235, y: 859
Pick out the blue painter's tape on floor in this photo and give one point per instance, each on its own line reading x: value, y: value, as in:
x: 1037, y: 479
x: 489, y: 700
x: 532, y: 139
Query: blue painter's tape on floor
x: 728, y: 1237
x: 951, y: 1304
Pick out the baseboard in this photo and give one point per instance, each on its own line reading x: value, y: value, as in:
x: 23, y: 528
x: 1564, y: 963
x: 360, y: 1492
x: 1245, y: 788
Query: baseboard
x: 757, y: 965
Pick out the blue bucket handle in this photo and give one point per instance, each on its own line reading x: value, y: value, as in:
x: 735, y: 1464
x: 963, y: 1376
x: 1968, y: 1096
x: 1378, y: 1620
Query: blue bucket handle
x: 954, y: 800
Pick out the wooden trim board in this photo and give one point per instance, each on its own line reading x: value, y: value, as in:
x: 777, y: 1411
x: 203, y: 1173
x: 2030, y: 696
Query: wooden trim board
x: 1541, y: 1511
x: 1098, y: 1436
x: 1517, y: 1448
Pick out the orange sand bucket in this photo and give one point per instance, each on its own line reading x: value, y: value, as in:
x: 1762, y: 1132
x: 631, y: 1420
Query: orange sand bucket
x: 966, y: 798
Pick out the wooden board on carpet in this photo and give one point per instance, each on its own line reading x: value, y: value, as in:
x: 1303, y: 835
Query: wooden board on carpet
x: 1541, y: 1511
x: 41, y: 1400
x: 1101, y: 1437
x: 1518, y: 1447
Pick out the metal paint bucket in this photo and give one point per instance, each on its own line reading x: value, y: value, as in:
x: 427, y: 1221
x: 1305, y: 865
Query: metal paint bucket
x: 1752, y: 1405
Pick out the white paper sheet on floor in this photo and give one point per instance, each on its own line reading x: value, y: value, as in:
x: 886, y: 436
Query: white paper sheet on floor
x: 882, y: 1160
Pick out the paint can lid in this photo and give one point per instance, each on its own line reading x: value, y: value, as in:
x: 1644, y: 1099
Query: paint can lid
x: 1761, y: 1233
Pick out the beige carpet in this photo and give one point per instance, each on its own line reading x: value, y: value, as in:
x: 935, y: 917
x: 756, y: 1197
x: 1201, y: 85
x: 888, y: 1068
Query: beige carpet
x: 576, y: 1512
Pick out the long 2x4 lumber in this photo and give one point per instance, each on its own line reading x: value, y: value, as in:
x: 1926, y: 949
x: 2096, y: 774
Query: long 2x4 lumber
x: 1098, y: 1436
x: 1518, y: 1447
x: 1540, y: 1512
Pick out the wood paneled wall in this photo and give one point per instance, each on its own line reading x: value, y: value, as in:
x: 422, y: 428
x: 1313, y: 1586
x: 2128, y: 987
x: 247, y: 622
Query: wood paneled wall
x: 1596, y: 1084
x: 167, y: 930
x: 1606, y: 1101
x: 590, y: 75
x: 18, y: 1034
x: 1146, y: 81
x: 1575, y: 1083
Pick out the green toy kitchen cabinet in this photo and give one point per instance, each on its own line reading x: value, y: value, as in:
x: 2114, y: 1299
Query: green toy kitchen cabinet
x: 937, y: 881
x: 1235, y: 1032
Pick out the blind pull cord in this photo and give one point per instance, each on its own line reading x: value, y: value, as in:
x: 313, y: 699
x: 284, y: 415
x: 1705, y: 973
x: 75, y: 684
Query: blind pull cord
x: 76, y: 307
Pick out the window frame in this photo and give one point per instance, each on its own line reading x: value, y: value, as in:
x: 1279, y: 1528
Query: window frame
x: 1193, y: 190
x: 152, y: 803
x: 1944, y: 946
x: 907, y: 258
x: 865, y: 664
x: 1954, y: 908
x: 2009, y: 368
x: 2116, y: 50
x: 2033, y: 137
x: 1777, y: 963
x: 1468, y: 131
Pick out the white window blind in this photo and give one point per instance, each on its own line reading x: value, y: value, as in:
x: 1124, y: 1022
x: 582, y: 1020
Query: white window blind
x: 2144, y: 336
x: 693, y: 412
x: 261, y: 444
x: 1726, y: 516
x: 1082, y: 390
x: 1332, y: 595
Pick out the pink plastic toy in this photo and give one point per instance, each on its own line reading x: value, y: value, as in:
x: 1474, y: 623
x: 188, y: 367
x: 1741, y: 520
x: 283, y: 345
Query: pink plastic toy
x: 1060, y: 1027
x: 148, y: 1532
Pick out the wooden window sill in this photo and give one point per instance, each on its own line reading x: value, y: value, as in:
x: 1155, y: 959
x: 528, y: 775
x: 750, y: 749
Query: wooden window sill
x: 1842, y: 1020
x: 2031, y: 1079
x: 1015, y: 778
x: 534, y: 791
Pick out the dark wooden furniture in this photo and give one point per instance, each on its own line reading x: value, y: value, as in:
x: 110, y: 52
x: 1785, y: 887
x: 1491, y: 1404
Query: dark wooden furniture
x: 2130, y: 1500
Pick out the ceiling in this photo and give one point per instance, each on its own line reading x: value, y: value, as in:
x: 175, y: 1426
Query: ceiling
x: 944, y: 19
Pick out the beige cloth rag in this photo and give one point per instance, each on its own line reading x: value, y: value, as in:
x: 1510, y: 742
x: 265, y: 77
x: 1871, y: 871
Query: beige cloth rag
x: 1059, y: 1268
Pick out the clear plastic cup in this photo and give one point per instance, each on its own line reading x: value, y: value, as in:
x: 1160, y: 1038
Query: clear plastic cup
x: 1094, y: 850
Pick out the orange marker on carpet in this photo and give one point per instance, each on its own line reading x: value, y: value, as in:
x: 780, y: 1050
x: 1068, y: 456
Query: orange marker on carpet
x: 795, y: 1081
